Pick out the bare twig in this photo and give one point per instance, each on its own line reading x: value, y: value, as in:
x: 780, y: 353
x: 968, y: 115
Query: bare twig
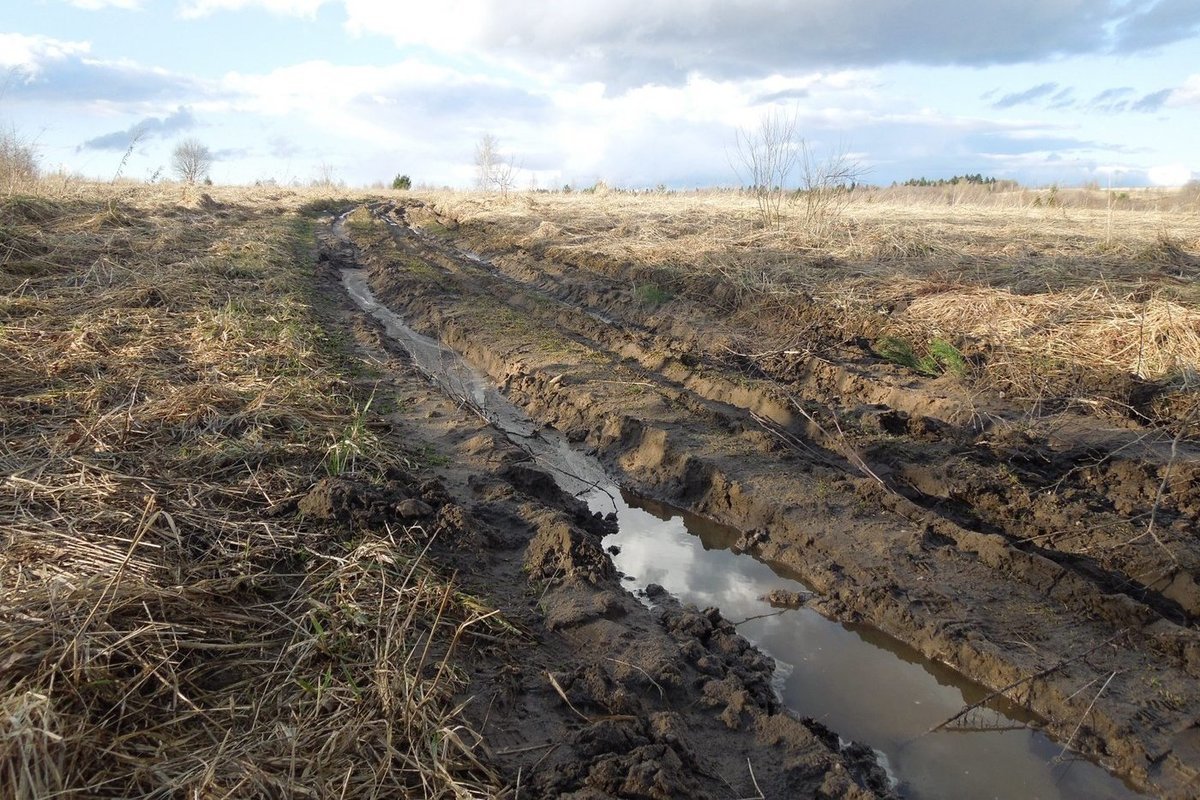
x: 661, y: 693
x: 1067, y: 744
x: 760, y: 616
x: 847, y: 450
x: 559, y: 690
x: 754, y: 780
x: 1027, y: 679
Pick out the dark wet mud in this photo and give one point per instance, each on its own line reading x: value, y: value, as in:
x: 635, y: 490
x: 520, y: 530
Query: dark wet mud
x: 860, y: 682
x: 1014, y: 551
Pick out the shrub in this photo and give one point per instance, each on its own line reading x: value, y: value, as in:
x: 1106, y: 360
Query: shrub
x: 402, y: 182
x: 18, y: 161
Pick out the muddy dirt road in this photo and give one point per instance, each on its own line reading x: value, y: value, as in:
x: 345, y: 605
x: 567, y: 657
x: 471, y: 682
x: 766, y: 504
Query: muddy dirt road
x: 1053, y: 559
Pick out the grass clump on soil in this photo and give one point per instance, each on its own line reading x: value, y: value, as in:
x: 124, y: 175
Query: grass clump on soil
x: 940, y: 357
x: 343, y: 454
x: 1081, y: 301
x: 166, y: 388
x: 651, y: 295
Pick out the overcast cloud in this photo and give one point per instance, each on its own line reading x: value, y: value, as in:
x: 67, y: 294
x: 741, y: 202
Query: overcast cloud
x: 631, y: 42
x: 634, y: 92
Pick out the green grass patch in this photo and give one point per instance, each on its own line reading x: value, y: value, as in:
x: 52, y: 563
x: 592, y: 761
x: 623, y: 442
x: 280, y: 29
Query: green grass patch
x: 651, y: 295
x: 939, y: 356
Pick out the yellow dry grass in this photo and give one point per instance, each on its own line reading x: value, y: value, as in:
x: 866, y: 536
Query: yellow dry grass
x: 165, y: 383
x: 1081, y: 285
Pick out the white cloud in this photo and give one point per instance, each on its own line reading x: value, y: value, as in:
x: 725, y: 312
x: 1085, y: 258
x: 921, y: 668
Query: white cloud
x: 97, y: 5
x: 448, y: 26
x: 191, y: 9
x: 1188, y: 94
x: 47, y: 71
x: 320, y: 86
x: 30, y: 54
x: 435, y: 112
x: 1169, y: 174
x: 409, y: 106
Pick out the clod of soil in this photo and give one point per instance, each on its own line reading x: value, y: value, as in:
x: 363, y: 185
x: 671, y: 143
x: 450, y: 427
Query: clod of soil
x: 996, y: 532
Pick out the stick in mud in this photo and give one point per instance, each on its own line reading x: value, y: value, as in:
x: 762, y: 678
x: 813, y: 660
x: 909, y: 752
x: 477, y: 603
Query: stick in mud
x: 606, y: 718
x: 1049, y: 670
x: 1088, y: 710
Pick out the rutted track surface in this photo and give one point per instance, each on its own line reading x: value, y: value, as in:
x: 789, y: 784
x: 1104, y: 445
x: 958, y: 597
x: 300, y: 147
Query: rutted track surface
x: 1005, y: 552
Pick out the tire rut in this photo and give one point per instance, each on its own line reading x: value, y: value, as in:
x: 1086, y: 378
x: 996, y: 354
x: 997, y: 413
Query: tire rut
x: 716, y: 398
x: 958, y: 595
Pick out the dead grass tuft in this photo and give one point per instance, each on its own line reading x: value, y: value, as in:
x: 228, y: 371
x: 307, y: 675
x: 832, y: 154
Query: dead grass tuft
x: 165, y: 384
x: 1062, y: 299
x: 1152, y: 338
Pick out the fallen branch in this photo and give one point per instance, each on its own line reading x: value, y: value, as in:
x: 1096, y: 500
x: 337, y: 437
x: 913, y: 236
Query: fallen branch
x: 1088, y: 710
x: 848, y: 452
x: 1027, y: 679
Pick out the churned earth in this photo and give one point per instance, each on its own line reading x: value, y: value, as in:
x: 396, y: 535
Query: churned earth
x: 591, y: 694
x: 250, y: 550
x: 1050, y: 557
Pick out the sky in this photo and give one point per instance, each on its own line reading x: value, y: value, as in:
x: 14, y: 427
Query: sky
x: 637, y: 93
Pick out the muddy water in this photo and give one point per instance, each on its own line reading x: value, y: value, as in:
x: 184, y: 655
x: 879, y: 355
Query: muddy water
x: 574, y: 471
x: 857, y: 681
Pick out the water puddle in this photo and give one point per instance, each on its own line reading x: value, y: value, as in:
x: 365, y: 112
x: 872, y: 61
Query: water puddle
x: 574, y: 471
x: 856, y: 680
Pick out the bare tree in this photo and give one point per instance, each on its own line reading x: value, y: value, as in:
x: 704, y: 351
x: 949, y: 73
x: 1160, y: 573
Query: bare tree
x: 826, y: 185
x: 487, y: 155
x: 504, y: 177
x: 326, y: 176
x: 18, y: 156
x: 18, y: 161
x: 492, y: 172
x: 764, y: 157
x: 191, y: 160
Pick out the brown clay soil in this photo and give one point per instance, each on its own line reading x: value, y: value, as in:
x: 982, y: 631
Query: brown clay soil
x: 592, y: 695
x: 250, y: 551
x: 1047, y: 551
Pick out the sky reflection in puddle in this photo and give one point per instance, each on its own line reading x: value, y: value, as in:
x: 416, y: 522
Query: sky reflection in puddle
x: 858, y: 681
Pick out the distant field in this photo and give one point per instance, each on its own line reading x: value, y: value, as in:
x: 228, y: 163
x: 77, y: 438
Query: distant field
x: 1049, y: 295
x: 254, y: 552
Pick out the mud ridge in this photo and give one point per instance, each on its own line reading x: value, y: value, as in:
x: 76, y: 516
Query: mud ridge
x: 598, y: 696
x: 971, y: 598
x: 1141, y: 572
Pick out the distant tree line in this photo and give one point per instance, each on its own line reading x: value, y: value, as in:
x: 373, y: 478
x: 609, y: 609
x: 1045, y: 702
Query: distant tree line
x: 977, y: 179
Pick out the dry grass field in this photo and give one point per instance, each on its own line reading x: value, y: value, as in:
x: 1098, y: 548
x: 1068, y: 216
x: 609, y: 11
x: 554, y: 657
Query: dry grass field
x: 1051, y: 296
x: 207, y: 589
x: 168, y: 385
